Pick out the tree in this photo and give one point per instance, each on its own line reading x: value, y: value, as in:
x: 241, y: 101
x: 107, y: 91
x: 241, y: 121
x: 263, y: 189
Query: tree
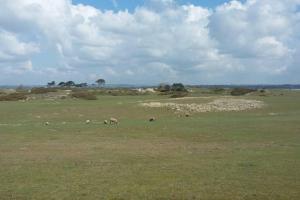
x: 62, y: 84
x: 163, y: 87
x: 70, y: 84
x: 51, y: 84
x: 82, y: 85
x: 178, y: 87
x: 100, y: 82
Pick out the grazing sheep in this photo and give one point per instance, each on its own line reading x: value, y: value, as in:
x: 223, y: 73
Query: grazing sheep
x: 47, y: 123
x: 113, y: 121
x: 105, y: 122
x: 88, y: 121
x: 152, y: 119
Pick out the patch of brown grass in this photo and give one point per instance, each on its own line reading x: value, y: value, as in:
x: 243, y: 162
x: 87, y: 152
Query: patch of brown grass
x: 13, y: 97
x: 41, y: 90
x: 84, y: 95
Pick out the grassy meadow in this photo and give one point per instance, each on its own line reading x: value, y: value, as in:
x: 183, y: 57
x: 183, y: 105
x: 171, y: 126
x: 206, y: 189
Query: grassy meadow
x: 242, y: 155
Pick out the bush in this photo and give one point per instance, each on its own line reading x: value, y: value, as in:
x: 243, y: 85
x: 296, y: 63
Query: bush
x: 119, y: 92
x: 179, y: 87
x: 241, y: 91
x: 124, y: 92
x: 41, y: 90
x: 262, y: 91
x: 13, y: 97
x: 164, y: 87
x: 84, y: 95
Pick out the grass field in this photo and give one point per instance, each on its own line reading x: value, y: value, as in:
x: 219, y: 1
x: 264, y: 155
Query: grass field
x: 210, y: 156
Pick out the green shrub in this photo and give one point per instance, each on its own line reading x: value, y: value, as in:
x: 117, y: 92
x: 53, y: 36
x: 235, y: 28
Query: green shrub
x: 124, y: 92
x: 164, y: 87
x: 179, y: 87
x: 262, y: 91
x: 41, y: 90
x: 241, y: 91
x: 13, y: 97
x: 119, y: 92
x: 84, y: 95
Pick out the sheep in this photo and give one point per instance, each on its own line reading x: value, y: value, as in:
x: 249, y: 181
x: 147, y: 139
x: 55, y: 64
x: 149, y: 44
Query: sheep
x: 113, y: 121
x: 47, y: 123
x: 152, y: 119
x: 105, y: 122
x: 88, y: 121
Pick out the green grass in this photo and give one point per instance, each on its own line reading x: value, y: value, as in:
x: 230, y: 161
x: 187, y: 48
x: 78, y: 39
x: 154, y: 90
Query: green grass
x: 228, y: 155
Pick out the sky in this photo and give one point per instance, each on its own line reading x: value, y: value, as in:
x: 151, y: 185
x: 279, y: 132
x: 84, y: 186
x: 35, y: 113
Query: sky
x: 150, y: 41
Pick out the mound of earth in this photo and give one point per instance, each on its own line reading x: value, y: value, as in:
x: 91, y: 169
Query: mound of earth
x: 218, y: 105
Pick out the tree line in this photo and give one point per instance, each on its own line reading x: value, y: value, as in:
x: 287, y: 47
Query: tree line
x: 100, y: 82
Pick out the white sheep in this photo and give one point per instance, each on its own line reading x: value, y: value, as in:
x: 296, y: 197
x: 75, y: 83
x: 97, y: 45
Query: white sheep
x: 113, y: 121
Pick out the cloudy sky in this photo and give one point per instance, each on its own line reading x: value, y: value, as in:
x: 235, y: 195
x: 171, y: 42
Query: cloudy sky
x: 150, y: 41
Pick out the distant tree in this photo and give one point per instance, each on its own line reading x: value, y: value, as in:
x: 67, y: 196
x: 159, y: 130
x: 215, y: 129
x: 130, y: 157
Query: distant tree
x: 51, y: 84
x: 82, y: 85
x: 62, y: 84
x: 179, y: 87
x: 163, y: 87
x: 100, y: 82
x: 70, y: 84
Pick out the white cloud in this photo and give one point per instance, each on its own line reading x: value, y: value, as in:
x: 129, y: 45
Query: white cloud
x: 12, y: 49
x: 260, y: 35
x: 156, y: 42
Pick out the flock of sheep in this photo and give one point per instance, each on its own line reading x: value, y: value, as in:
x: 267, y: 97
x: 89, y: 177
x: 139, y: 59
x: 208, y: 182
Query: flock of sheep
x: 111, y: 121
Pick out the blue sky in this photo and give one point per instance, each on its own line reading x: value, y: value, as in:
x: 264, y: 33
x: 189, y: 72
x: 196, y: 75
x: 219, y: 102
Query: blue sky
x: 149, y: 42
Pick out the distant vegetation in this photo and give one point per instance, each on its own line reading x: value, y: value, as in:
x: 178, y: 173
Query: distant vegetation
x: 41, y: 90
x: 51, y: 84
x: 72, y: 84
x: 84, y: 95
x: 176, y: 90
x: 100, y: 82
x: 164, y: 87
x: 123, y: 92
x: 13, y: 97
x: 218, y: 90
x: 178, y: 87
x: 241, y: 91
x: 83, y: 91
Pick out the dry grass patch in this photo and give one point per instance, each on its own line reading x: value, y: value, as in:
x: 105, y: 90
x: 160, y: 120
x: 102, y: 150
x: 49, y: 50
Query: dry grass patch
x: 41, y: 90
x: 84, y: 95
x: 13, y: 97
